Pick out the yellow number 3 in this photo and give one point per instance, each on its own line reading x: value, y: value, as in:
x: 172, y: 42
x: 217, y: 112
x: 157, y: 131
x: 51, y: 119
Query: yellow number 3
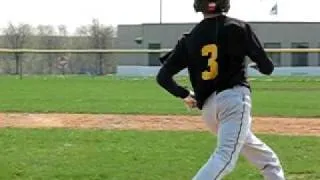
x: 211, y: 49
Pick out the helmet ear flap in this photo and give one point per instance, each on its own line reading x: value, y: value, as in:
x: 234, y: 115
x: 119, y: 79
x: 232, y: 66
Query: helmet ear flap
x: 223, y: 5
x: 197, y: 5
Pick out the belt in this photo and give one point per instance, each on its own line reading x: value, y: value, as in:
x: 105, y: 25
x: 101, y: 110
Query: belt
x: 225, y: 88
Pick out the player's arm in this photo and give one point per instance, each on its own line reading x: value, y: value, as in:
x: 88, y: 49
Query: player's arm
x: 173, y: 62
x: 257, y: 53
x: 165, y: 57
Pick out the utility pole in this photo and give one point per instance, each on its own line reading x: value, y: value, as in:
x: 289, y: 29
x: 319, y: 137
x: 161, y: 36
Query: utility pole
x: 160, y: 11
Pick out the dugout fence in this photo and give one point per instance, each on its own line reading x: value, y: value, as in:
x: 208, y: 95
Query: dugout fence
x: 105, y: 61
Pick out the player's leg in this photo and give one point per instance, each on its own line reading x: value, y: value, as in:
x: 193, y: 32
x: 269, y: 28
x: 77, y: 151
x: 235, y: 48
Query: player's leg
x: 232, y: 108
x: 263, y: 157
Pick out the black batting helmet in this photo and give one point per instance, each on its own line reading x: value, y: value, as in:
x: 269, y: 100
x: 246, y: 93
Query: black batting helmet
x: 211, y: 6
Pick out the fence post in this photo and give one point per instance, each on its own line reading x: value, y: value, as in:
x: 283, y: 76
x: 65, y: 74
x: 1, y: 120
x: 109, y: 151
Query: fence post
x: 20, y: 66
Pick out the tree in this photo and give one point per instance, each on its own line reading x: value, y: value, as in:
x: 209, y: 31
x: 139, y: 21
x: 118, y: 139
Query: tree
x: 49, y: 38
x: 16, y: 37
x: 80, y: 61
x: 63, y: 30
x: 99, y: 37
x: 63, y: 59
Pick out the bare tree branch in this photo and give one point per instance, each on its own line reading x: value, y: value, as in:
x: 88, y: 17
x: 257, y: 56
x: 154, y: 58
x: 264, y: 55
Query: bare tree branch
x: 16, y: 37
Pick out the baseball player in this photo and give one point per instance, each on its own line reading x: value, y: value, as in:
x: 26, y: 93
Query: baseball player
x: 214, y: 53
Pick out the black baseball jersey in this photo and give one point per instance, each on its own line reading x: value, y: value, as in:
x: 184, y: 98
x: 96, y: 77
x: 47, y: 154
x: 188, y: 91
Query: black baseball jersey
x: 214, y: 53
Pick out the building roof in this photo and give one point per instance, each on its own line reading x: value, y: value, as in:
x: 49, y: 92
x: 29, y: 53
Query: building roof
x: 253, y: 22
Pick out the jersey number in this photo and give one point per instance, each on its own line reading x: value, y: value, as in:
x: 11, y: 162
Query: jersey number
x: 212, y: 50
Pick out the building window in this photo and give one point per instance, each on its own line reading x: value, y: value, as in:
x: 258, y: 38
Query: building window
x: 154, y: 57
x: 300, y: 59
x: 276, y: 57
x: 319, y: 56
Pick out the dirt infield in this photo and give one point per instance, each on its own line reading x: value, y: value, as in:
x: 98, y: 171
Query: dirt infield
x: 292, y: 126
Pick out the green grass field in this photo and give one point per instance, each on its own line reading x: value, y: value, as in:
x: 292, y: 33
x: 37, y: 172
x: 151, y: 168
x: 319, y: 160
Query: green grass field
x: 121, y: 155
x: 54, y: 154
x: 279, y: 97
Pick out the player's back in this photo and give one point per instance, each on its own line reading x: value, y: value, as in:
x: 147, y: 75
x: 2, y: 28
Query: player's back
x: 216, y: 56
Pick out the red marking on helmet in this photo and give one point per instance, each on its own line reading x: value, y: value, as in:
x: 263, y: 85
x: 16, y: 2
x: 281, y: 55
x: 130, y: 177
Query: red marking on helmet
x: 212, y: 6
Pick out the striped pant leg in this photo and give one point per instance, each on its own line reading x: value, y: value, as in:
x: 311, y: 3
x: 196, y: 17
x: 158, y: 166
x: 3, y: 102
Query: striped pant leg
x: 263, y: 158
x: 234, y: 122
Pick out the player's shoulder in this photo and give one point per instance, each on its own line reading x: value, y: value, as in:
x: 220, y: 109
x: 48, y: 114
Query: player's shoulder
x: 197, y: 29
x: 234, y: 23
x: 228, y: 22
x: 185, y: 35
x: 182, y: 40
x: 236, y: 27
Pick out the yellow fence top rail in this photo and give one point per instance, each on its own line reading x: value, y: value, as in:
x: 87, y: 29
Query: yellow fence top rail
x: 136, y: 51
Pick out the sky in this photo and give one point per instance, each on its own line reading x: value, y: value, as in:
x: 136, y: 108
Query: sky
x: 75, y: 13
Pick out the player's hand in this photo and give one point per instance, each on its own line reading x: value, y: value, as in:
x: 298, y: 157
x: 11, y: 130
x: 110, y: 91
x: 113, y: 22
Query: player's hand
x: 190, y: 101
